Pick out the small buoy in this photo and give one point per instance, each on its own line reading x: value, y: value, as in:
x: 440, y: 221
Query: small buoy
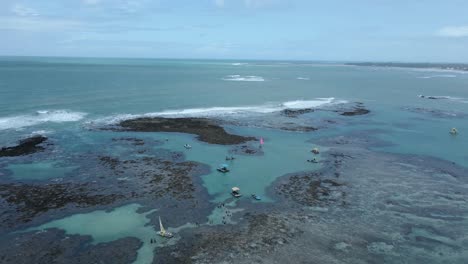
x: 453, y: 131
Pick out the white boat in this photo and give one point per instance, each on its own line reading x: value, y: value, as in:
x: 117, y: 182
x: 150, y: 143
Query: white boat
x: 236, y: 192
x: 162, y: 232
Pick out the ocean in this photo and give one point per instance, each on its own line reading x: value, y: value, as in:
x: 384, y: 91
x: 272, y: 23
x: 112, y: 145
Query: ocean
x: 390, y: 185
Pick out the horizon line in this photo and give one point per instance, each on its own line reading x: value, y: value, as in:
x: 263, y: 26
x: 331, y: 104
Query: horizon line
x: 227, y: 59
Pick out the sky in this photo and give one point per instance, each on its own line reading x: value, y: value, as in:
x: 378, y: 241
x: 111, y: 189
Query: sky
x: 330, y: 30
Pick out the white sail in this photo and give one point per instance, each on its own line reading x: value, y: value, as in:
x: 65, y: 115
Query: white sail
x: 161, y: 227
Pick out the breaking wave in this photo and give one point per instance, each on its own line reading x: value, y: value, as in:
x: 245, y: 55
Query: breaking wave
x: 241, y: 78
x: 42, y: 116
x: 228, y: 111
x: 438, y: 76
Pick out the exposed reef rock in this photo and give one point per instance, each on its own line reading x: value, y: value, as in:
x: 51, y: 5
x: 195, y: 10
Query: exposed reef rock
x: 31, y: 200
x: 157, y: 177
x: 109, y: 181
x: 25, y: 147
x: 207, y: 130
x: 358, y: 109
x: 54, y: 246
x: 263, y: 234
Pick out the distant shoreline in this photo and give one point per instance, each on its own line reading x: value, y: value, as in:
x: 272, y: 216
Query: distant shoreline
x: 460, y: 66
x: 437, y: 66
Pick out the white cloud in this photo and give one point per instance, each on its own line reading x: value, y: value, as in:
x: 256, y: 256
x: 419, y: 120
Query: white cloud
x: 454, y: 32
x: 23, y: 11
x: 219, y: 3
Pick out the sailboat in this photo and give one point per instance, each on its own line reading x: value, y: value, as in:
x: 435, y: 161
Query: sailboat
x: 162, y: 232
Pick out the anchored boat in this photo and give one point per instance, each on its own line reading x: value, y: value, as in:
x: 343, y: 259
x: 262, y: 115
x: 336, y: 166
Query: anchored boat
x: 223, y: 168
x: 162, y: 232
x: 187, y: 146
x: 315, y: 151
x: 236, y: 192
x: 453, y: 131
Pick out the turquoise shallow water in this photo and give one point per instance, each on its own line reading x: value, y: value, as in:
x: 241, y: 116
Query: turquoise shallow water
x: 108, y: 226
x: 63, y: 98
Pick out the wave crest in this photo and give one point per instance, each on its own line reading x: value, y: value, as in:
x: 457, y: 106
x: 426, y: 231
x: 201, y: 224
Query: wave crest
x: 438, y: 76
x: 246, y: 78
x: 228, y: 111
x: 41, y: 116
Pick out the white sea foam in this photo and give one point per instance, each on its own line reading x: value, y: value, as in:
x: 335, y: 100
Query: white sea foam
x: 300, y: 104
x: 227, y: 111
x: 303, y: 78
x: 241, y: 78
x: 42, y: 116
x: 41, y: 132
x: 438, y: 76
x: 239, y: 63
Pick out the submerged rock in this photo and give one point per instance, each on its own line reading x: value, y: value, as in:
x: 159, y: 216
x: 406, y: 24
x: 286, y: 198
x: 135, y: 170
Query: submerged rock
x: 207, y: 130
x: 434, y: 97
x: 380, y: 248
x: 247, y: 150
x: 299, y: 128
x: 296, y: 112
x: 436, y: 112
x: 310, y: 189
x: 343, y: 246
x: 25, y: 147
x: 359, y: 110
x: 133, y: 141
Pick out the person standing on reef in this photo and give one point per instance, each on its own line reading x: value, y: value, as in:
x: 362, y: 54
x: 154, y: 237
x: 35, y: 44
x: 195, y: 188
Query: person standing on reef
x: 261, y: 142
